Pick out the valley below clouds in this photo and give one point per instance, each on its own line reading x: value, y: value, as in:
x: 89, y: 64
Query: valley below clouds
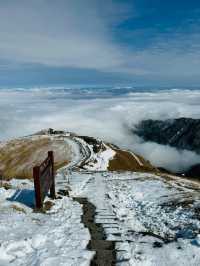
x: 108, y: 113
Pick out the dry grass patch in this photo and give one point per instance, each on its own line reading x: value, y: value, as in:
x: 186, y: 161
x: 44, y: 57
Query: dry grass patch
x: 125, y: 161
x: 18, y: 157
x: 48, y: 205
x: 17, y: 208
x: 5, y: 185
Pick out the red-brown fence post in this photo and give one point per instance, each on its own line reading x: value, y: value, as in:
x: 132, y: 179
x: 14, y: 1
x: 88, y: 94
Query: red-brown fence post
x: 52, y: 188
x: 44, y: 180
x: 36, y: 176
x: 1, y: 178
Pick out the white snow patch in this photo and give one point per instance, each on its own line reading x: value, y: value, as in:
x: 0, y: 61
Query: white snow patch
x: 100, y: 161
x: 143, y: 212
x: 29, y: 238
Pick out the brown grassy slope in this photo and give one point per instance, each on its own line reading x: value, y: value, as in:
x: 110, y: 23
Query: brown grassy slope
x: 125, y: 161
x: 18, y: 157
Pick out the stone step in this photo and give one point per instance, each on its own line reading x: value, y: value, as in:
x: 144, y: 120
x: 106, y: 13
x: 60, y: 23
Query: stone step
x: 112, y: 230
x: 105, y: 220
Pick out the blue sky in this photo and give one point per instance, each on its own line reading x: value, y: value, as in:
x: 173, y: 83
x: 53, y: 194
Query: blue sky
x: 138, y: 42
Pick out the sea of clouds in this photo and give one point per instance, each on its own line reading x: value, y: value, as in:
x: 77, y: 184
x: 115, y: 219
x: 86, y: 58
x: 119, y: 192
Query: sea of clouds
x: 107, y: 113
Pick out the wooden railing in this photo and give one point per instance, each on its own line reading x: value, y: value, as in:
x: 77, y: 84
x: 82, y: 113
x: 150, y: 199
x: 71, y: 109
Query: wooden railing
x: 44, y: 180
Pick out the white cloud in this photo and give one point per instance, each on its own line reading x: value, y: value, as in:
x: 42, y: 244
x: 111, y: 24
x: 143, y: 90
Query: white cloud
x: 80, y: 34
x: 59, y: 33
x: 100, y: 113
x: 165, y: 156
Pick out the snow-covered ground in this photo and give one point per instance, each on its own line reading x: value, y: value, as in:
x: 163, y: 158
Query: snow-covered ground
x: 29, y: 238
x: 153, y: 219
x: 57, y: 237
x: 95, y: 161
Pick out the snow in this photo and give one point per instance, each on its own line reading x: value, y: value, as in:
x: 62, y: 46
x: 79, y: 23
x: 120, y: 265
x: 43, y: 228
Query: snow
x: 137, y: 159
x: 101, y: 160
x: 137, y: 211
x: 153, y: 219
x: 57, y: 237
x: 96, y: 161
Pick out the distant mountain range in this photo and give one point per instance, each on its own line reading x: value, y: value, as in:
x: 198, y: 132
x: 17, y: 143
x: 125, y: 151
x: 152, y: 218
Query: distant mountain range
x: 182, y: 133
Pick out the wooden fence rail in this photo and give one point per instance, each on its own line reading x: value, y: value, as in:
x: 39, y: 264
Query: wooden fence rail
x: 44, y: 180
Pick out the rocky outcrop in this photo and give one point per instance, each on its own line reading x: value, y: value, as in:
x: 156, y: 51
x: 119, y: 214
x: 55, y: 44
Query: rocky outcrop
x: 182, y: 133
x: 193, y: 171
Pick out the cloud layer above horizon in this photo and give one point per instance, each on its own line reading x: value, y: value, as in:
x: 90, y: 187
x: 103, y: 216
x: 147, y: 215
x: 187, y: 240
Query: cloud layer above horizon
x: 131, y: 39
x: 107, y: 113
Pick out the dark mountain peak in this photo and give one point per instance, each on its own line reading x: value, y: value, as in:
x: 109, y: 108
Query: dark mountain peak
x: 182, y: 133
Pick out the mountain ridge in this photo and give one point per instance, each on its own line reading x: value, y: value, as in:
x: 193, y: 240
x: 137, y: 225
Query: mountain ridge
x: 182, y: 133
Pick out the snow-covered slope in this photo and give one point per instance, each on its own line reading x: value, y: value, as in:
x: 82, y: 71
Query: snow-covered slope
x: 152, y: 218
x: 29, y: 238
